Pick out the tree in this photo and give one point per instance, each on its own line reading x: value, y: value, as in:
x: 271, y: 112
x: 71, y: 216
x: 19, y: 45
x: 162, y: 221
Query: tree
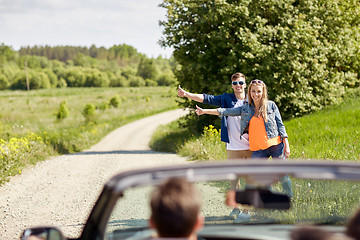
x: 6, y: 54
x: 304, y: 50
x: 147, y: 69
x: 4, y: 82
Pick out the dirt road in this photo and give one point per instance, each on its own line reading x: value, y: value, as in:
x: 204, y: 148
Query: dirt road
x: 61, y: 191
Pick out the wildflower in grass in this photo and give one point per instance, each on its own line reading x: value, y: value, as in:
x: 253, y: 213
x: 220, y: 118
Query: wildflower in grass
x: 17, y: 152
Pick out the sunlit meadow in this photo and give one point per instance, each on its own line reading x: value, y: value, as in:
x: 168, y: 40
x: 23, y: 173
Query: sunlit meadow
x: 30, y: 130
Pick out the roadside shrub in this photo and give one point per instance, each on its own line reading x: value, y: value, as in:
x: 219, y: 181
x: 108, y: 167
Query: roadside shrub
x: 115, y: 101
x: 63, y: 111
x: 207, y: 147
x: 89, y: 112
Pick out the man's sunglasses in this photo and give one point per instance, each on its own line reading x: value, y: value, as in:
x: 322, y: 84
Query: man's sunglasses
x: 257, y: 82
x: 239, y: 82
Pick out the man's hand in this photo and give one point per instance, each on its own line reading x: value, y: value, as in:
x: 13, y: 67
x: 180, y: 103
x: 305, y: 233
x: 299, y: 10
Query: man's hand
x: 181, y: 92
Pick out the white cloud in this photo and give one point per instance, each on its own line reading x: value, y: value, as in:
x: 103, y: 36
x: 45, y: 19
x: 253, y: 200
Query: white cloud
x: 83, y: 23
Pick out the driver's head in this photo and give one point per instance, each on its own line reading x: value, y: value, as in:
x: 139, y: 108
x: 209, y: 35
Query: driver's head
x: 353, y: 226
x: 175, y: 209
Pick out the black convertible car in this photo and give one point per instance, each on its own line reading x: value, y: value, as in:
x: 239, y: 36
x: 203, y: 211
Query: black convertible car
x: 325, y: 194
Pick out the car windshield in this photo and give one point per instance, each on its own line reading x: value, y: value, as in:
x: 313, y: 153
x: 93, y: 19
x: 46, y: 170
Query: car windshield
x: 328, y: 202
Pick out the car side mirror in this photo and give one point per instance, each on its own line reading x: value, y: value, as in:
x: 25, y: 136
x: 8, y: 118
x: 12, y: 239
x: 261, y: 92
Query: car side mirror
x: 42, y: 233
x: 263, y: 198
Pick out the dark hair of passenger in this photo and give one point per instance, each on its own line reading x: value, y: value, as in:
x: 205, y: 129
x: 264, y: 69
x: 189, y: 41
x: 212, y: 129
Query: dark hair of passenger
x: 175, y: 207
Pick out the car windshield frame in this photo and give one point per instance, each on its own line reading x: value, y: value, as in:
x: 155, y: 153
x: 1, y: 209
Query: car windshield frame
x: 265, y: 172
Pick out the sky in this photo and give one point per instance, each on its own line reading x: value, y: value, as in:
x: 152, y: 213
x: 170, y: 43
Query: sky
x: 103, y: 23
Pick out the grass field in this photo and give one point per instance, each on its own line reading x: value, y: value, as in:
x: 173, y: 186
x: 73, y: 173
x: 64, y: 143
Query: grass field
x: 36, y: 110
x: 332, y: 133
x: 30, y: 130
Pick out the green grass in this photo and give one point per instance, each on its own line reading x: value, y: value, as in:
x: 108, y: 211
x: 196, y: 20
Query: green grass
x: 332, y: 133
x: 31, y: 132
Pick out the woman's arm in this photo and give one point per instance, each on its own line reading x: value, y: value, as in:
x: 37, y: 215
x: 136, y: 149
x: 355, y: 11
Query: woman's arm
x: 230, y: 111
x: 220, y: 111
x: 286, y: 147
x: 282, y: 131
x: 279, y: 122
x: 199, y: 111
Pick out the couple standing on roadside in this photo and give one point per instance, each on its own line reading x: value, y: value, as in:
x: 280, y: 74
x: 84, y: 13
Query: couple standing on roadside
x: 251, y: 126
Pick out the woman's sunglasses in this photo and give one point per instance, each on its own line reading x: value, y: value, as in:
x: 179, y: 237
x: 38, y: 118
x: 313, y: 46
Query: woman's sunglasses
x: 257, y: 82
x: 239, y: 82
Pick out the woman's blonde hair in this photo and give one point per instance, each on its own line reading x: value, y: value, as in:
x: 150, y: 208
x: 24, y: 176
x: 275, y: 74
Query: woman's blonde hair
x: 263, y: 100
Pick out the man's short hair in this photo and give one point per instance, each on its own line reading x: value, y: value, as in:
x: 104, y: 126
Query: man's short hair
x: 237, y: 76
x: 175, y: 206
x: 310, y: 233
x: 353, y: 226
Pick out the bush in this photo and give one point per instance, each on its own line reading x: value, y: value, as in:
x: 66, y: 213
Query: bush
x: 149, y: 83
x: 118, y: 81
x: 61, y: 83
x: 52, y: 77
x: 37, y: 80
x: 17, y: 153
x: 95, y: 78
x: 89, y: 112
x: 103, y: 106
x: 75, y: 77
x: 166, y: 80
x: 115, y: 101
x: 136, y: 81
x: 63, y: 111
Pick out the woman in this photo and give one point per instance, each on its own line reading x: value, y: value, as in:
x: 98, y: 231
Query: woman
x: 261, y: 119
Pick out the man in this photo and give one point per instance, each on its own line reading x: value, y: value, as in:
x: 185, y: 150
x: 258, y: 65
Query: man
x: 237, y: 145
x: 175, y: 210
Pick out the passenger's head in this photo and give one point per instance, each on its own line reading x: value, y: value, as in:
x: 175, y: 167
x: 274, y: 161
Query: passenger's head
x: 175, y: 209
x: 258, y: 95
x: 238, y: 83
x: 310, y: 233
x: 353, y: 226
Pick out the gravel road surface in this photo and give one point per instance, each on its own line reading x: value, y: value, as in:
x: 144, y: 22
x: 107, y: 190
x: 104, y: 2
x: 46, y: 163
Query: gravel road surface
x: 61, y: 191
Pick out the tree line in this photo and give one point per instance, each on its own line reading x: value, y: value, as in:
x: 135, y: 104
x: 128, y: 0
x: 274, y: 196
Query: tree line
x: 70, y: 66
x: 122, y: 54
x: 306, y: 51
